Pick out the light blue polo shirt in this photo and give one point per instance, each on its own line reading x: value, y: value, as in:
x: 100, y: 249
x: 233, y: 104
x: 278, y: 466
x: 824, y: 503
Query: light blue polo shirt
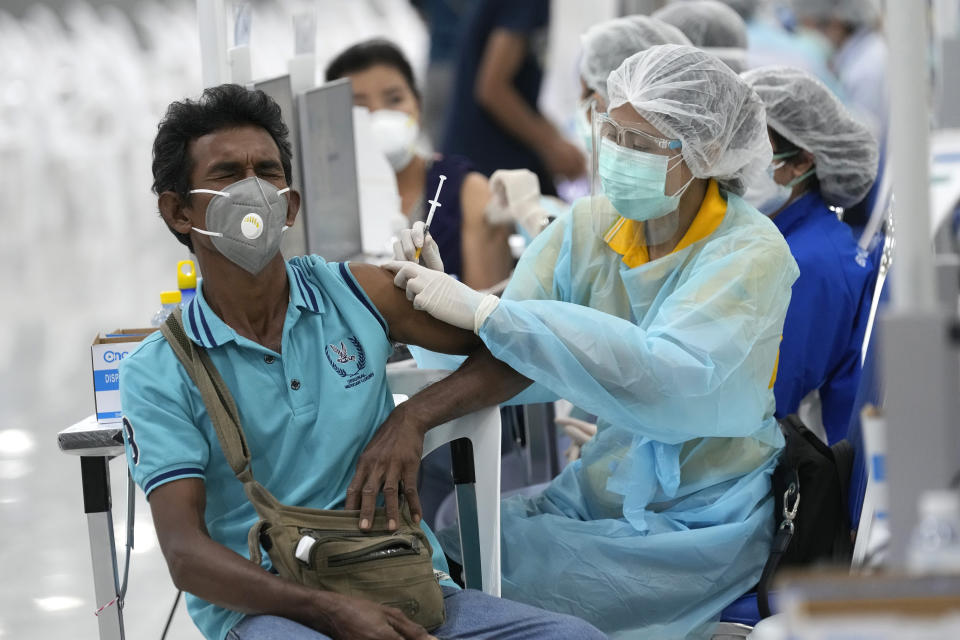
x: 307, y: 413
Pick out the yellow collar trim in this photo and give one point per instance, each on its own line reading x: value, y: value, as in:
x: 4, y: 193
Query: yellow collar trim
x: 622, y: 237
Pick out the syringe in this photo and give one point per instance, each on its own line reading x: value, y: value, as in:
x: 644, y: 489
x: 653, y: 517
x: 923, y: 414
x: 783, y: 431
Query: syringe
x: 433, y: 207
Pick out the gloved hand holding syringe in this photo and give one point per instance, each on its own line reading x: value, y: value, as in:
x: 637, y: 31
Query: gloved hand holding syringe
x: 416, y: 241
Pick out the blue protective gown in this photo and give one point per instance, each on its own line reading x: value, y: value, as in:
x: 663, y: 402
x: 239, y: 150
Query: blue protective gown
x: 667, y: 517
x: 826, y: 321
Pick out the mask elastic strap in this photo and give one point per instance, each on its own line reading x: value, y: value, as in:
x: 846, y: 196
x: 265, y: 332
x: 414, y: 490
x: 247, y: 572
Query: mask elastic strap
x: 682, y: 189
x: 211, y: 192
x: 800, y: 179
x: 283, y: 191
x: 785, y: 154
x: 208, y: 233
x: 669, y: 168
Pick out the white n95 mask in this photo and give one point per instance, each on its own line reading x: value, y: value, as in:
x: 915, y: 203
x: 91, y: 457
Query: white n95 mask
x: 396, y: 132
x: 246, y: 221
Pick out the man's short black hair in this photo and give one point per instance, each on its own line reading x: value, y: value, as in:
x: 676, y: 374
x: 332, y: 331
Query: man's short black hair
x: 371, y: 53
x: 222, y: 107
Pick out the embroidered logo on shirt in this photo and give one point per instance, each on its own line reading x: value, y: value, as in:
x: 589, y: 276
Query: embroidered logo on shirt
x: 131, y: 441
x: 348, y: 359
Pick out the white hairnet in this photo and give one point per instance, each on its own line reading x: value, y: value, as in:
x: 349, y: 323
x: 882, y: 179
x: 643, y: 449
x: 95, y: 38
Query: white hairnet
x: 609, y: 43
x: 855, y: 12
x: 805, y: 112
x: 746, y: 8
x: 711, y: 26
x: 691, y: 95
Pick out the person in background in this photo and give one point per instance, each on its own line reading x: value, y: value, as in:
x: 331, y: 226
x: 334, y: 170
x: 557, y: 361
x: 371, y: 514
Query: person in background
x: 822, y: 157
x: 444, y: 20
x: 850, y: 32
x: 712, y: 26
x: 493, y: 117
x: 516, y: 193
x: 656, y: 305
x: 770, y: 44
x: 473, y: 249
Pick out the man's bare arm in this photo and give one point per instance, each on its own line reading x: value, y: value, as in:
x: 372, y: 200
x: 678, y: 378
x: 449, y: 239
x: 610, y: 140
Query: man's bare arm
x: 406, y: 324
x: 494, y: 91
x: 390, y: 462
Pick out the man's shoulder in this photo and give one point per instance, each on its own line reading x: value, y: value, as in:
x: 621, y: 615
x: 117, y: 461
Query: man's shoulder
x: 151, y: 352
x: 317, y: 270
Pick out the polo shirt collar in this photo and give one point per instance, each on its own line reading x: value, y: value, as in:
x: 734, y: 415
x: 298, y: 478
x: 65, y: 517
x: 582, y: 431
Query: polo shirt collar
x: 206, y: 329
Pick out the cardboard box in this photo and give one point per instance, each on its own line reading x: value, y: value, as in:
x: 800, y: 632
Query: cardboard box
x: 106, y: 353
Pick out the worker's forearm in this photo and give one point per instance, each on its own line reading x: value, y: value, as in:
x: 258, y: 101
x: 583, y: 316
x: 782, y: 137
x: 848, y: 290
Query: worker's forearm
x: 216, y: 574
x: 481, y: 381
x: 511, y: 111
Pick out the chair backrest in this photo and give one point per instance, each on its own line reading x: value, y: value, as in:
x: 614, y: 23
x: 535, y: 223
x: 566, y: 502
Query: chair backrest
x: 479, y: 516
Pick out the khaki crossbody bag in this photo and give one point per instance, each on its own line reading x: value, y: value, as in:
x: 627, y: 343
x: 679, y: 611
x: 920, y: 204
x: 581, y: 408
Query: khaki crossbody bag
x: 318, y: 548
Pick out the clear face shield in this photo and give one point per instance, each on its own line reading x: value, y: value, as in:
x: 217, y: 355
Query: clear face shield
x: 628, y: 182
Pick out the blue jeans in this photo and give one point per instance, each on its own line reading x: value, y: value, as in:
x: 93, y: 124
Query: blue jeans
x: 470, y: 615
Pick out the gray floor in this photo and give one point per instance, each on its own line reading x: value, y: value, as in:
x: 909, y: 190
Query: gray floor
x: 47, y: 589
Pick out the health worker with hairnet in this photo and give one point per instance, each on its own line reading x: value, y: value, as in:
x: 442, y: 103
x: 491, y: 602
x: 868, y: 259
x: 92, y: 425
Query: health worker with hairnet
x: 849, y: 33
x: 656, y: 304
x: 516, y: 192
x: 711, y: 26
x: 822, y: 156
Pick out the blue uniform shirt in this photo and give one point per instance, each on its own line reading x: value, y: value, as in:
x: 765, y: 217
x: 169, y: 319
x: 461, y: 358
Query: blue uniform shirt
x: 826, y: 320
x: 307, y: 412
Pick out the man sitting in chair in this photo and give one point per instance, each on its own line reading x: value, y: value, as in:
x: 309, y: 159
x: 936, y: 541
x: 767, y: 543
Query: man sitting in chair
x: 302, y: 346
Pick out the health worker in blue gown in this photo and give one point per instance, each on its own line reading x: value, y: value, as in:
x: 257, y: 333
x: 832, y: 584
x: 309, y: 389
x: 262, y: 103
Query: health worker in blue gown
x: 656, y: 304
x: 822, y: 157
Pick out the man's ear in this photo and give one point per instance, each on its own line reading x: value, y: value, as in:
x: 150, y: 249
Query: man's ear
x: 293, y: 206
x: 172, y: 210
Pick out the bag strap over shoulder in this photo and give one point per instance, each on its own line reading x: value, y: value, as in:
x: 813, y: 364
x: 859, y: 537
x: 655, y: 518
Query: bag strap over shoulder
x: 216, y: 396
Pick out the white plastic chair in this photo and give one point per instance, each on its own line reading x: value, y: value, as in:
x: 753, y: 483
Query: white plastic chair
x: 476, y: 472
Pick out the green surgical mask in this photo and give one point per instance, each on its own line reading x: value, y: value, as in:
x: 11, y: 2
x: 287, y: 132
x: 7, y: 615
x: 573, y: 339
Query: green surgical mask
x: 635, y: 181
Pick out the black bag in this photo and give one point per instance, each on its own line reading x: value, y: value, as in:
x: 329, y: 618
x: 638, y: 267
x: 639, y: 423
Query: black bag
x: 810, y: 486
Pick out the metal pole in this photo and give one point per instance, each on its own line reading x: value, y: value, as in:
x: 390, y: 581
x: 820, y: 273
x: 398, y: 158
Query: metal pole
x: 919, y: 354
x: 95, y: 475
x: 212, y: 25
x: 909, y: 160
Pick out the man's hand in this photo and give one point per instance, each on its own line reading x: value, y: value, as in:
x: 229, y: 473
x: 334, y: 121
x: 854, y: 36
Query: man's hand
x: 358, y: 619
x: 389, y: 463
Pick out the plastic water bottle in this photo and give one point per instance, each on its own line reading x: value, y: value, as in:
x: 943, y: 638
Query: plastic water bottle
x: 186, y: 282
x: 169, y: 301
x: 935, y: 543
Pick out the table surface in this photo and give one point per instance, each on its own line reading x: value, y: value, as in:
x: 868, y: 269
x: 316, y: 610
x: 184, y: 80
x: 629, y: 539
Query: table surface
x: 91, y: 438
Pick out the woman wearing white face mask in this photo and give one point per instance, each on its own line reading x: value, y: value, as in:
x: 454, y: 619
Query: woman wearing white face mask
x: 822, y: 157
x: 472, y: 249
